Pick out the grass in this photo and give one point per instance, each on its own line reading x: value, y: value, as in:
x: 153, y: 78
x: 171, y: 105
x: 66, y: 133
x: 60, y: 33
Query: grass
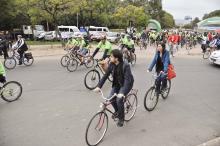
x: 43, y: 42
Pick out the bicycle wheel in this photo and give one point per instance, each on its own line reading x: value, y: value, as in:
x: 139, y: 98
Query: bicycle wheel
x: 130, y: 106
x: 28, y: 62
x: 133, y: 60
x: 10, y: 63
x: 96, y: 129
x: 89, y: 62
x: 72, y: 65
x: 166, y: 92
x: 92, y: 79
x: 206, y: 54
x: 110, y: 78
x: 150, y: 99
x: 64, y: 60
x: 11, y: 91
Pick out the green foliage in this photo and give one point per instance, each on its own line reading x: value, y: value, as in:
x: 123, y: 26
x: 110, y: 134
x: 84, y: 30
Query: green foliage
x: 215, y: 13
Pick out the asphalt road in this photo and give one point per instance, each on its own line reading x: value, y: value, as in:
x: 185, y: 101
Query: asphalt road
x: 55, y: 107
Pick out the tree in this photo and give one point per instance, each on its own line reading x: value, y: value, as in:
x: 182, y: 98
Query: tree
x: 130, y: 13
x: 215, y: 13
x: 167, y: 20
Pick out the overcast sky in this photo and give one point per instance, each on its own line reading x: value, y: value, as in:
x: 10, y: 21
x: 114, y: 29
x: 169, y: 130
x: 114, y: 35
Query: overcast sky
x: 194, y: 8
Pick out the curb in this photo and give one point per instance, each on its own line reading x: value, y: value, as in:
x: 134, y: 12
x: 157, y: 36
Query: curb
x: 213, y: 142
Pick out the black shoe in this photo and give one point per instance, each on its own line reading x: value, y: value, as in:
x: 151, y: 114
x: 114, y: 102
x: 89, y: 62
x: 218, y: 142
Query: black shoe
x: 115, y: 116
x: 120, y: 123
x: 20, y: 63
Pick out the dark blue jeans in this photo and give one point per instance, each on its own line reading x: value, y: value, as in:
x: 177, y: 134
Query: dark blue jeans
x: 161, y: 79
x: 118, y: 103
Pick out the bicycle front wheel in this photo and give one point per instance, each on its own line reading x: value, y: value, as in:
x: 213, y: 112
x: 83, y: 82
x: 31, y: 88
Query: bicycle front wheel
x: 130, y: 106
x: 72, y: 65
x: 11, y: 91
x: 92, y: 79
x: 150, y: 99
x: 96, y: 129
x: 64, y: 60
x: 10, y: 63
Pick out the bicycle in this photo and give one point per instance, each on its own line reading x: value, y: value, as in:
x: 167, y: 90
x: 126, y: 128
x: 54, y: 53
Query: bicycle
x: 74, y: 62
x: 151, y: 98
x: 11, y: 62
x: 99, y: 122
x: 188, y: 46
x: 129, y: 56
x: 93, y: 77
x: 143, y: 44
x: 9, y: 89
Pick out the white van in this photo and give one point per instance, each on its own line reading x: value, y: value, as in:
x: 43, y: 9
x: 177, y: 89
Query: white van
x: 68, y: 31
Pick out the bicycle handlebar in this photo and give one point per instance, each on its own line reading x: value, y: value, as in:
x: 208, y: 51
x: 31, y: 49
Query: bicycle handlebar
x: 107, y: 99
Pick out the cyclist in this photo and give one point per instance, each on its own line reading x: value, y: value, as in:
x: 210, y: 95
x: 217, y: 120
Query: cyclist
x: 122, y: 41
x: 21, y: 46
x: 2, y: 73
x: 84, y: 48
x: 73, y: 43
x: 4, y: 45
x: 130, y: 47
x: 144, y: 37
x: 122, y: 83
x: 161, y: 60
x: 104, y: 45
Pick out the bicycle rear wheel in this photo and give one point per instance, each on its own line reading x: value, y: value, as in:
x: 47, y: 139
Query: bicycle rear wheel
x: 10, y: 63
x: 72, y: 65
x: 89, y: 62
x: 130, y: 106
x: 28, y: 61
x: 150, y: 99
x: 206, y: 54
x: 92, y: 79
x: 166, y: 92
x: 96, y: 129
x: 11, y: 91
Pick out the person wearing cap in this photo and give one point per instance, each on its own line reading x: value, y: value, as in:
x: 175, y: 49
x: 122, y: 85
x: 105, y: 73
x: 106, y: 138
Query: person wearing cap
x: 22, y: 47
x: 84, y: 48
x: 106, y: 46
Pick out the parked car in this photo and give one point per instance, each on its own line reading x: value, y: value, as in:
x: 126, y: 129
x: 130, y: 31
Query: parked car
x: 113, y: 37
x: 215, y: 57
x: 96, y: 36
x: 51, y: 35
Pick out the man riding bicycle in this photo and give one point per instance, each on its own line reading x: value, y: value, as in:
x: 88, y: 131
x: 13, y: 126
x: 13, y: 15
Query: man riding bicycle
x: 129, y: 46
x: 122, y: 83
x: 161, y: 60
x: 21, y: 46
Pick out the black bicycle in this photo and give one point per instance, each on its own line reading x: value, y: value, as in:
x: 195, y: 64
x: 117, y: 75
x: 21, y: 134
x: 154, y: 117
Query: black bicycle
x: 11, y: 91
x: 98, y: 125
x: 93, y: 77
x: 11, y: 62
x: 151, y: 98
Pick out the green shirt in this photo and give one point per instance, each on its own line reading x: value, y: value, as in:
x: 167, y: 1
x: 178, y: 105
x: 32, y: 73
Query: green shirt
x: 105, y: 46
x: 130, y: 43
x: 73, y: 42
x: 2, y: 69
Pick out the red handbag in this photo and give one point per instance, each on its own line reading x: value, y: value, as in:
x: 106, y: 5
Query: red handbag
x: 171, y: 73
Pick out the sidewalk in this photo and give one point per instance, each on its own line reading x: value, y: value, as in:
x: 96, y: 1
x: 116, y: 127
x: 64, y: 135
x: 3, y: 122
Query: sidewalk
x: 214, y: 142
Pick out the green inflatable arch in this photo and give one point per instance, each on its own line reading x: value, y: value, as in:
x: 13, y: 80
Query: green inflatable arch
x: 154, y: 24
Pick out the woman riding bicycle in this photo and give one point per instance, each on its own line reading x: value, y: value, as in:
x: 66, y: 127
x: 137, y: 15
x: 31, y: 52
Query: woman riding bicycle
x: 161, y: 60
x: 122, y: 83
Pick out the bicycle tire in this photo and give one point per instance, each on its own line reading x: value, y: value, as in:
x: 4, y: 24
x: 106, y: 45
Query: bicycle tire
x: 11, y: 61
x: 152, y: 89
x: 64, y: 60
x: 128, y: 103
x: 90, y: 123
x: 72, y: 63
x: 164, y: 96
x: 4, y: 89
x: 93, y: 78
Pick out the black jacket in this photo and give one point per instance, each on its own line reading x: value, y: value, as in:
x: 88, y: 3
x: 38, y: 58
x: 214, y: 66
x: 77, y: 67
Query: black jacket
x: 126, y: 83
